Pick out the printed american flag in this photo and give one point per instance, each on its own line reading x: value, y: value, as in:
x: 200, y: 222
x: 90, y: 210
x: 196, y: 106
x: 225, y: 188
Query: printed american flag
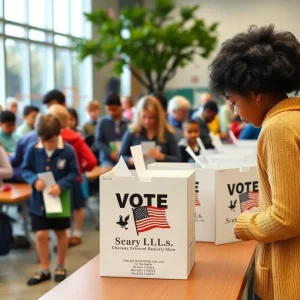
x: 197, y: 202
x: 149, y: 217
x: 248, y: 200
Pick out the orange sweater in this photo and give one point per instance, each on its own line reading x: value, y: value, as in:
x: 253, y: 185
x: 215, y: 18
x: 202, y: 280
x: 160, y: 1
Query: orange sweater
x: 277, y: 224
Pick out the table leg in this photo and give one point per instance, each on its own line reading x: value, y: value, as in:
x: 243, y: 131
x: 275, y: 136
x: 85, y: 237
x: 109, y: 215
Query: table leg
x: 25, y: 216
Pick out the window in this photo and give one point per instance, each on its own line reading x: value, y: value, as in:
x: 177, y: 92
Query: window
x: 61, y: 16
x: 41, y: 63
x: 17, y: 70
x: 15, y: 10
x: 36, y: 43
x: 40, y: 13
x: 14, y: 30
x: 63, y: 73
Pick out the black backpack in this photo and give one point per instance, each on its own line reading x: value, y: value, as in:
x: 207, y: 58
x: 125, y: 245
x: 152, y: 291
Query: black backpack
x: 6, y: 237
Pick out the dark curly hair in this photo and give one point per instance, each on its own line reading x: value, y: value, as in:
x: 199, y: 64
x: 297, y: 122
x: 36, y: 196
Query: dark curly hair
x: 261, y: 60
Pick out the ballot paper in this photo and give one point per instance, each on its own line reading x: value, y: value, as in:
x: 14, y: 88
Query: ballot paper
x: 121, y: 169
x: 52, y: 204
x: 146, y: 147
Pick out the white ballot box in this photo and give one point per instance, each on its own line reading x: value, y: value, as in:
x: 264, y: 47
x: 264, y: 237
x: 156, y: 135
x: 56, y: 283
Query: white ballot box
x: 147, y: 226
x: 219, y: 188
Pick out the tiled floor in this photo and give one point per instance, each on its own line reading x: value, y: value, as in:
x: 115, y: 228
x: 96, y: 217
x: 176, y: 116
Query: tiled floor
x: 19, y: 265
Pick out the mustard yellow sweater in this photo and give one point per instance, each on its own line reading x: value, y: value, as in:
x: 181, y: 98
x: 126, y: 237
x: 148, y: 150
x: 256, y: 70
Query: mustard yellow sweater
x: 277, y: 224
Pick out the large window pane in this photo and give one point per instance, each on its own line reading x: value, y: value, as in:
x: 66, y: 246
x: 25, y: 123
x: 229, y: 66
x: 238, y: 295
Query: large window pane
x: 41, y: 62
x: 13, y: 30
x: 17, y: 75
x: 63, y: 73
x: 40, y: 13
x: 2, y: 75
x: 82, y: 82
x: 77, y: 18
x: 15, y: 10
x: 61, y: 13
x: 37, y: 35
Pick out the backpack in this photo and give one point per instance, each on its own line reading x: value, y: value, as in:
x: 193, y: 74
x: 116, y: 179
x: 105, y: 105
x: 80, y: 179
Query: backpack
x: 6, y: 237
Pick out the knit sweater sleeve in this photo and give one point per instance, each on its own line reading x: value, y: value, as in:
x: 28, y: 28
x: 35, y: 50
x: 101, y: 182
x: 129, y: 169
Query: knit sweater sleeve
x: 282, y: 164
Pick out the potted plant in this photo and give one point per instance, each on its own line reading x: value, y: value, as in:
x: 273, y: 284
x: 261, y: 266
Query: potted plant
x: 153, y: 41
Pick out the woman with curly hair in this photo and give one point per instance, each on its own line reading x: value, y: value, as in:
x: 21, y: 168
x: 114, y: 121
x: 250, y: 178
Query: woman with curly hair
x: 256, y: 71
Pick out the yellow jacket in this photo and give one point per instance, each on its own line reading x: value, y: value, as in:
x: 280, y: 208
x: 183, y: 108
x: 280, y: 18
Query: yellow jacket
x: 214, y: 125
x: 277, y: 224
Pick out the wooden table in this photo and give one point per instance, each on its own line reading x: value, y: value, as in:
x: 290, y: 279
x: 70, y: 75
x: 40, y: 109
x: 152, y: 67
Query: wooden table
x: 19, y: 194
x: 220, y: 272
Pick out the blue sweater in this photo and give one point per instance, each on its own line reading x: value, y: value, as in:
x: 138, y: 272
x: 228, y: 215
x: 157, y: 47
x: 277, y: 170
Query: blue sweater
x: 36, y: 161
x: 16, y: 159
x: 250, y: 133
x: 169, y: 147
x: 105, y: 134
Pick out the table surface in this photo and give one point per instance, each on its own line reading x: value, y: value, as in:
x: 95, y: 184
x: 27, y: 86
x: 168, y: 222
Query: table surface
x: 220, y: 272
x: 18, y: 192
x: 96, y: 172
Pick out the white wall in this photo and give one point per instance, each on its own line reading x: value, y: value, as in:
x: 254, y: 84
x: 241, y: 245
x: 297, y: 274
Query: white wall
x: 235, y: 16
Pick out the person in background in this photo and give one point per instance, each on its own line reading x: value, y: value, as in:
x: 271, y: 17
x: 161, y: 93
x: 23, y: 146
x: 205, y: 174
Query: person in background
x: 256, y: 71
x: 8, y: 136
x: 13, y: 106
x: 237, y: 126
x: 73, y: 120
x: 150, y: 124
x: 250, y: 133
x: 29, y: 114
x: 190, y: 132
x: 86, y: 161
x: 178, y: 110
x: 6, y: 171
x: 50, y: 154
x: 127, y: 106
x: 54, y: 97
x: 110, y: 130
x: 93, y: 109
x: 16, y: 159
x: 210, y: 110
x: 214, y: 125
x: 226, y: 116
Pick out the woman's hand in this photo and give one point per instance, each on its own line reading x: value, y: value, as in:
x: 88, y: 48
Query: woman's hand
x: 156, y: 154
x: 130, y: 161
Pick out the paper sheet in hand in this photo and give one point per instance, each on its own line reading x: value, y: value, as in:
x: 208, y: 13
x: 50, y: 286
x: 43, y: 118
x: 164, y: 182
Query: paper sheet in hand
x: 146, y: 147
x: 52, y: 204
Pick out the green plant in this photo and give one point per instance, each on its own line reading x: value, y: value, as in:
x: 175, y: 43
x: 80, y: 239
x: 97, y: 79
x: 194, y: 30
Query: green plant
x: 153, y: 41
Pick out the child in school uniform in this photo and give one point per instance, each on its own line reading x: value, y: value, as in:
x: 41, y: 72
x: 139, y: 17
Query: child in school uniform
x: 93, y: 110
x: 73, y: 120
x: 86, y: 161
x: 8, y: 137
x: 255, y: 71
x: 29, y: 115
x: 50, y: 154
x: 110, y: 130
x: 191, y: 132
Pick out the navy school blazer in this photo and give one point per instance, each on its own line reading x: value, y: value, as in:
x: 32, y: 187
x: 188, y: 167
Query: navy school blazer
x: 62, y: 164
